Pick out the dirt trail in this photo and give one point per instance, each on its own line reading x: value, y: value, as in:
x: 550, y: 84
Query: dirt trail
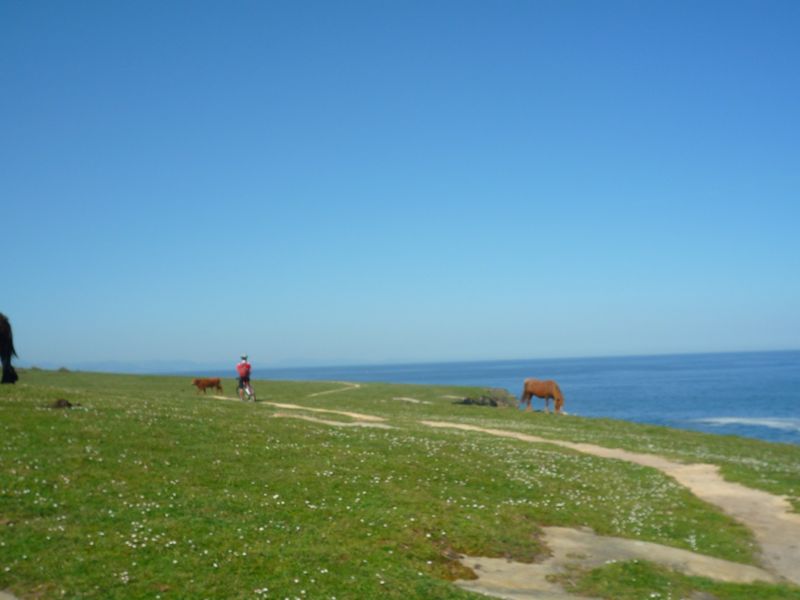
x: 350, y: 386
x: 573, y: 547
x: 357, y: 423
x: 769, y: 517
x: 411, y: 400
x: 353, y: 415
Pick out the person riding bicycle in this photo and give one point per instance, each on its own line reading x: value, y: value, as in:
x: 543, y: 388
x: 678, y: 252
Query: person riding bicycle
x: 243, y: 369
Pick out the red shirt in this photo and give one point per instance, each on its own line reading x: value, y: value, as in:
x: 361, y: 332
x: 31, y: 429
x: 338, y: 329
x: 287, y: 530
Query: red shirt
x: 243, y: 368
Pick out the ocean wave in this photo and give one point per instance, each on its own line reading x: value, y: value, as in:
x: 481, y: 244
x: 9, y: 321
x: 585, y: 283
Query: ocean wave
x: 772, y: 423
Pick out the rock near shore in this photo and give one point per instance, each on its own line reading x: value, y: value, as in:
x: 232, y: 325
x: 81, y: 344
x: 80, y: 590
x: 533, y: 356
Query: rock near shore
x: 495, y: 397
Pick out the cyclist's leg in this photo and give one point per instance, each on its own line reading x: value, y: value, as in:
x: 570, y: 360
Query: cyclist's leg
x: 241, y: 389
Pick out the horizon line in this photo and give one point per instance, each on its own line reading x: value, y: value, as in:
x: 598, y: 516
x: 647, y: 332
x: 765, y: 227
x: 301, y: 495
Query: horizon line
x: 142, y: 366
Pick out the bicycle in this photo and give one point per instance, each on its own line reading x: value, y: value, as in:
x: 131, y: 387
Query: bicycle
x: 249, y: 392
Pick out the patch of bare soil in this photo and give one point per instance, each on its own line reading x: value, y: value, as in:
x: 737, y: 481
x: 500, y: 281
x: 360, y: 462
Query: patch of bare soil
x: 352, y: 415
x: 349, y: 386
x: 412, y: 400
x: 583, y: 549
x: 774, y: 526
x: 225, y: 398
x: 333, y: 423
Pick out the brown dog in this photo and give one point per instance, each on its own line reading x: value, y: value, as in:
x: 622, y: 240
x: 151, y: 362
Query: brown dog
x: 204, y: 383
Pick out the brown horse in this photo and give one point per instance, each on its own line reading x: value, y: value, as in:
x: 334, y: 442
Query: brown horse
x: 542, y: 389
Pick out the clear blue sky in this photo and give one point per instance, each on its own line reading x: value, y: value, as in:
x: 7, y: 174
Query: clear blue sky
x: 398, y: 181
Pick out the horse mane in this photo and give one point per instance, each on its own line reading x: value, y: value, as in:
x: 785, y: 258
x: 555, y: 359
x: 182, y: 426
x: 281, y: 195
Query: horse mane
x: 558, y: 396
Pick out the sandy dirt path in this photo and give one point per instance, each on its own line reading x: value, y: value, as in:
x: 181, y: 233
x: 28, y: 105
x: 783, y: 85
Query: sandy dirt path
x: 410, y: 400
x: 769, y: 517
x: 352, y: 415
x: 357, y: 423
x: 579, y: 548
x: 349, y: 386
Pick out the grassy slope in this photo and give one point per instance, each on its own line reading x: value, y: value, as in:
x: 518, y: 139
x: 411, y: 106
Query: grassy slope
x: 149, y: 490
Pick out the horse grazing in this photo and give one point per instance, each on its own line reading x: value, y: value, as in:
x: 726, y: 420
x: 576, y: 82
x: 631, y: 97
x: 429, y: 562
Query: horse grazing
x: 7, y: 350
x: 205, y: 383
x: 542, y: 389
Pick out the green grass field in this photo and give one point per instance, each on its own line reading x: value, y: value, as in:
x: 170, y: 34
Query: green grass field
x: 149, y: 490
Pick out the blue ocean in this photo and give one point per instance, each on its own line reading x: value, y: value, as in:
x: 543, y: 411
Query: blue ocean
x: 748, y: 394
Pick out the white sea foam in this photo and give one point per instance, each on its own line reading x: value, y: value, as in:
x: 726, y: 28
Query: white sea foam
x: 772, y: 423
